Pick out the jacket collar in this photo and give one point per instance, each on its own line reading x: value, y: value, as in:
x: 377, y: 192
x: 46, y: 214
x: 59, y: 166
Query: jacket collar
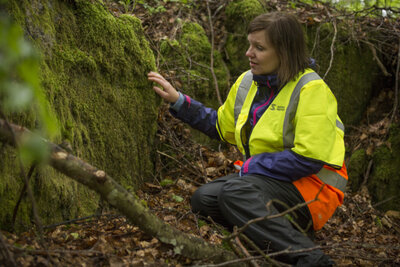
x: 270, y: 81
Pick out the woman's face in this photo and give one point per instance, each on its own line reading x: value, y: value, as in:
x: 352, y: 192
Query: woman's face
x: 262, y: 55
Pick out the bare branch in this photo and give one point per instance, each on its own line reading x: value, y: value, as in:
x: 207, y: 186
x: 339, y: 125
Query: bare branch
x: 332, y: 47
x: 396, y: 87
x: 7, y: 255
x: 14, y: 140
x: 212, y: 54
x: 380, y: 64
x: 126, y: 202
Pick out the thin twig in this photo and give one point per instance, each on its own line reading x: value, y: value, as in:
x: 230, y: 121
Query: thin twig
x: 212, y: 54
x: 315, y: 40
x: 7, y: 255
x: 396, y: 87
x: 21, y: 195
x: 231, y: 262
x: 202, y: 167
x: 80, y: 219
x: 24, y: 176
x: 332, y: 46
x: 384, y: 201
x: 184, y: 166
x: 244, y: 250
x: 380, y: 64
x: 56, y: 251
x: 261, y: 252
x: 366, y: 176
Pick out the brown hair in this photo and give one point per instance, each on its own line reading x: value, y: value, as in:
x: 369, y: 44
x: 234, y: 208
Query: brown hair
x: 287, y: 37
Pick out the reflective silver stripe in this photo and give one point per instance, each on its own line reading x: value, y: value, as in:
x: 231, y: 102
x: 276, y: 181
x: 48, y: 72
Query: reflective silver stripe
x: 241, y: 94
x: 340, y: 125
x: 333, y: 179
x: 288, y: 131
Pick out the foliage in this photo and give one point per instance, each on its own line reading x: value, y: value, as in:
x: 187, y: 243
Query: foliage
x: 20, y: 89
x: 382, y: 7
x: 156, y: 6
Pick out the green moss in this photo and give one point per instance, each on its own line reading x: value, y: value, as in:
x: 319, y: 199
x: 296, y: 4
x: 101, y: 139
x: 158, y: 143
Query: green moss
x: 356, y: 169
x: 353, y: 71
x: 384, y: 181
x: 190, y: 55
x: 239, y: 14
x: 93, y: 70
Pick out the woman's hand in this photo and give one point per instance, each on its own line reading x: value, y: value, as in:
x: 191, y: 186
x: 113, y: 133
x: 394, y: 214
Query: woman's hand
x: 169, y: 93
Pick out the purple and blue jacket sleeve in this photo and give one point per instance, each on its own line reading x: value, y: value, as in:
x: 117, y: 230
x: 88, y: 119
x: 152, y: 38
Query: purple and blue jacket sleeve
x: 196, y: 115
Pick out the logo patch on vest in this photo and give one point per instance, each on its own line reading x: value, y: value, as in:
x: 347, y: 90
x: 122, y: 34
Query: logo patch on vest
x: 276, y: 107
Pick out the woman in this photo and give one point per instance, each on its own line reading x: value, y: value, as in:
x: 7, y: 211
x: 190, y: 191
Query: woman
x: 283, y: 118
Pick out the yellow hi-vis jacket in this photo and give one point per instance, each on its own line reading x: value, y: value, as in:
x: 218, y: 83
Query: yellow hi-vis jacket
x: 303, y: 118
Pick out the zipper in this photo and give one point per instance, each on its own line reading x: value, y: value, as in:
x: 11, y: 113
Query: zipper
x: 246, y: 146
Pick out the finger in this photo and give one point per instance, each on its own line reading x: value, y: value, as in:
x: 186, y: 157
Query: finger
x: 155, y: 75
x: 161, y: 92
x: 165, y: 84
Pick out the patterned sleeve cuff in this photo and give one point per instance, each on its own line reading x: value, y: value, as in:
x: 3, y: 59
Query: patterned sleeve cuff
x: 178, y: 104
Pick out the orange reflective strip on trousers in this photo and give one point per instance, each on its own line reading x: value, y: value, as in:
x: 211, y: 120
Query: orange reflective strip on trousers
x: 328, y: 199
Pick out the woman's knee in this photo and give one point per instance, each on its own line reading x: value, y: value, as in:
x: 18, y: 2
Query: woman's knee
x: 234, y: 190
x: 205, y: 198
x: 196, y: 200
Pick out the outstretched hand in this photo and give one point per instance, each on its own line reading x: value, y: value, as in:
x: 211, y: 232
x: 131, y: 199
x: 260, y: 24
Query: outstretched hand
x: 169, y: 93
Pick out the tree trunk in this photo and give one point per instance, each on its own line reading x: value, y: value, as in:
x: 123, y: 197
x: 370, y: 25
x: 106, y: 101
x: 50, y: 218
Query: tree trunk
x: 127, y: 203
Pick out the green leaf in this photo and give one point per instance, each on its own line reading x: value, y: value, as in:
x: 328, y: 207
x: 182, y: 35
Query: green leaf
x: 18, y: 96
x: 201, y: 223
x: 166, y: 182
x: 33, y: 149
x: 177, y: 198
x: 144, y: 203
x: 75, y: 235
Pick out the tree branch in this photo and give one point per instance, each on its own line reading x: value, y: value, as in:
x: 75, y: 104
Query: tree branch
x: 127, y: 203
x: 212, y: 54
x: 7, y: 255
x: 332, y: 46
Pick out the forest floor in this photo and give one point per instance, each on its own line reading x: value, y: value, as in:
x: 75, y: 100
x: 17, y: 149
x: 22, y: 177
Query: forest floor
x: 357, y: 235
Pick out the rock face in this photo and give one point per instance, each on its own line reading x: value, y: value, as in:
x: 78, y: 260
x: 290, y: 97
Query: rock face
x: 93, y: 70
x: 384, y: 182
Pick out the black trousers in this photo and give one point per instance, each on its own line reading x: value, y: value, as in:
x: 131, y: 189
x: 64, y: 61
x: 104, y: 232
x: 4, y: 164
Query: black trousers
x: 234, y: 200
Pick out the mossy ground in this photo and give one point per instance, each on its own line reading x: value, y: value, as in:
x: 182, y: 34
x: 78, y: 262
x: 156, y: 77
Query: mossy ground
x: 94, y: 68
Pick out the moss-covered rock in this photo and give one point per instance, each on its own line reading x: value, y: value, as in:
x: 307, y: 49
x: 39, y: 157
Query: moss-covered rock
x: 239, y: 14
x: 190, y: 56
x: 353, y: 74
x: 384, y: 181
x: 94, y: 69
x: 356, y: 167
